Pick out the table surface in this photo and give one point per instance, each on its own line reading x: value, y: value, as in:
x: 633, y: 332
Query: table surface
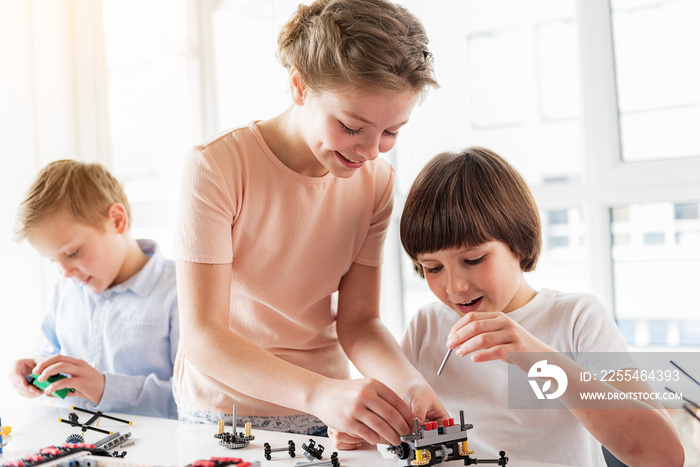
x: 165, y: 442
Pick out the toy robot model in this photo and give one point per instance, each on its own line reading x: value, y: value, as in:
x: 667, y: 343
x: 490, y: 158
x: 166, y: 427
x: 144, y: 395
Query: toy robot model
x: 435, y: 445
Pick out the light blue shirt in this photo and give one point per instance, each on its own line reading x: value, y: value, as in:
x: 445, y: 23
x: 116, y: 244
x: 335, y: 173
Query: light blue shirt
x: 128, y: 332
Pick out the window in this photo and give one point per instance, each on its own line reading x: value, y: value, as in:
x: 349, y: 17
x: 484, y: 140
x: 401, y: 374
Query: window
x: 150, y: 112
x: 558, y: 217
x: 655, y: 277
x: 510, y: 81
x: 686, y: 210
x: 658, y: 96
x: 562, y: 264
x: 244, y: 43
x: 599, y: 116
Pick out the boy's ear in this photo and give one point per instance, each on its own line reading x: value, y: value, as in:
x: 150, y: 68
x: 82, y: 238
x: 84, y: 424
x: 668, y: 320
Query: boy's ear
x: 297, y: 86
x: 118, y: 218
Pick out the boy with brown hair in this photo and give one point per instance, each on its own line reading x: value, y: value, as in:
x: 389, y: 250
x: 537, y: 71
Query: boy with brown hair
x: 113, y: 325
x: 472, y: 229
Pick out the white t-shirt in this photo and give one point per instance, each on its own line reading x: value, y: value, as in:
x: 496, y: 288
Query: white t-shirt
x: 571, y: 323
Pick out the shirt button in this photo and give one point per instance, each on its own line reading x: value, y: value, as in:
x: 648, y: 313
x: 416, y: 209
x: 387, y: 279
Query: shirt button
x: 107, y: 294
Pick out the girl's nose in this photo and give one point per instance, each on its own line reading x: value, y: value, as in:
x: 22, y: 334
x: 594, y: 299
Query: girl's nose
x: 368, y: 152
x: 369, y: 149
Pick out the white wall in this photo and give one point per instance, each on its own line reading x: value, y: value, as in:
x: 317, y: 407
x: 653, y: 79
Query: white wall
x: 37, y: 103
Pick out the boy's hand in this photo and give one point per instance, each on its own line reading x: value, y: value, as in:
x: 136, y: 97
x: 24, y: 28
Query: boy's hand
x: 490, y: 336
x: 87, y: 382
x: 22, y: 368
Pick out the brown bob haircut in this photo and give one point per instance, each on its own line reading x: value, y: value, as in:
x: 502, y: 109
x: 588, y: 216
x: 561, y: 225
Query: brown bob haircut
x: 340, y: 45
x: 83, y: 191
x: 468, y: 199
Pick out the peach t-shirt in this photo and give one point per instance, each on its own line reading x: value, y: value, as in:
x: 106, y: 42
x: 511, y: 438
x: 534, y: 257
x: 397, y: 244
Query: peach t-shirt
x: 289, y: 239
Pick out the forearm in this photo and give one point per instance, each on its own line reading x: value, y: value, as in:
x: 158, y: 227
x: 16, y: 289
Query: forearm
x: 248, y: 368
x: 217, y: 351
x: 364, y: 337
x: 143, y: 395
x: 627, y: 433
x: 364, y: 340
x: 364, y: 408
x: 623, y: 426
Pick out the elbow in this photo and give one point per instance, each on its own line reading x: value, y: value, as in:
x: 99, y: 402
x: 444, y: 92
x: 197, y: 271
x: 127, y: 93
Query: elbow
x: 676, y: 456
x: 193, y: 343
x: 657, y: 452
x: 674, y: 453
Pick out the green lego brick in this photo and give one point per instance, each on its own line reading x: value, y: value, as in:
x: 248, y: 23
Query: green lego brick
x: 62, y: 393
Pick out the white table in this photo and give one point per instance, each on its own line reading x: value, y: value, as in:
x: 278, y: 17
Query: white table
x: 164, y: 442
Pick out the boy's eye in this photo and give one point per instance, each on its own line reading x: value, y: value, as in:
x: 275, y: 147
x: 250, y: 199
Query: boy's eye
x: 390, y: 134
x: 474, y: 261
x: 73, y: 254
x: 347, y: 130
x: 432, y: 270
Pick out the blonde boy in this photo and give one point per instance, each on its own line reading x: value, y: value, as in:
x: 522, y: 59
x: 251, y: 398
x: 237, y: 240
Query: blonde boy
x: 112, y: 326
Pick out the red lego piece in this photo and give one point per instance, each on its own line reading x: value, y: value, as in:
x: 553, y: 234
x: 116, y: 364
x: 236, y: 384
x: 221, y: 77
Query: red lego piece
x: 203, y: 463
x: 430, y: 426
x: 54, y: 451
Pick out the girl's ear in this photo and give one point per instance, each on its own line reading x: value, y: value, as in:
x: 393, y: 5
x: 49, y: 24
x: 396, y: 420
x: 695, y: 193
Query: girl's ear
x: 118, y: 218
x: 297, y: 86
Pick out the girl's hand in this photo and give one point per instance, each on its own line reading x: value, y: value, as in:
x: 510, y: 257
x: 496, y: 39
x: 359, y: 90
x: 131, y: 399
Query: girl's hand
x: 87, y: 382
x: 424, y: 403
x: 361, y: 409
x: 490, y: 336
x: 23, y: 368
x: 344, y: 441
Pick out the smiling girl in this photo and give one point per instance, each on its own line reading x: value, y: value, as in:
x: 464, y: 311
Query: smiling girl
x: 279, y: 215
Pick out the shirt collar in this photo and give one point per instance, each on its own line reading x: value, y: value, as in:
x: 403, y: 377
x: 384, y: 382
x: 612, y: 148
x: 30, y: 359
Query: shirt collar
x: 143, y: 281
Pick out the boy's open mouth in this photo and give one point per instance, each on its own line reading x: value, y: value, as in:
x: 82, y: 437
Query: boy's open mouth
x: 473, y: 302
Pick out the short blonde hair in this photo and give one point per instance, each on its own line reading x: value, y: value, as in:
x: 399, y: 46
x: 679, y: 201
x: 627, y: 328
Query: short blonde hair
x: 83, y: 191
x: 339, y: 45
x: 468, y: 199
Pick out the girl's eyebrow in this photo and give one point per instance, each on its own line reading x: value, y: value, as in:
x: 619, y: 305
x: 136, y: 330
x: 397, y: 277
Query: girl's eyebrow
x: 364, y: 120
x: 358, y: 117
